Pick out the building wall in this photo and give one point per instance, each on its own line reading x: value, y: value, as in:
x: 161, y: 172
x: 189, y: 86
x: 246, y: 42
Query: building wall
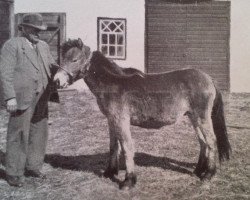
x: 240, y: 46
x: 189, y: 35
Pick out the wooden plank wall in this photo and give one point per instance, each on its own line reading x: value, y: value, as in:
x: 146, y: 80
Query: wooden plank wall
x: 6, y: 20
x: 55, y: 34
x: 56, y: 26
x: 196, y: 35
x: 6, y: 28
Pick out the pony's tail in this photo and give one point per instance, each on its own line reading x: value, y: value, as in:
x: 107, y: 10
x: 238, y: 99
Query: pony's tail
x: 220, y: 129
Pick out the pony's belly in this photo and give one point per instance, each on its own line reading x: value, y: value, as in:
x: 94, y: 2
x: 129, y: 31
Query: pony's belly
x: 151, y: 122
x: 152, y: 111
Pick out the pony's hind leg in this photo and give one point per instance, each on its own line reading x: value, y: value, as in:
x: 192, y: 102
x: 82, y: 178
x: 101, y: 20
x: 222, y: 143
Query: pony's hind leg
x: 206, y: 127
x: 202, y: 162
x: 206, y: 166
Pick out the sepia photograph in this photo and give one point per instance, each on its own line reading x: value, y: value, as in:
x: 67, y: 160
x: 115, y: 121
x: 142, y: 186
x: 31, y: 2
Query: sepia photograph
x: 124, y: 100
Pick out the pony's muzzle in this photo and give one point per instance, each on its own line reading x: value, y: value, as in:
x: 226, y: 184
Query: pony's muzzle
x: 61, y: 79
x: 57, y: 82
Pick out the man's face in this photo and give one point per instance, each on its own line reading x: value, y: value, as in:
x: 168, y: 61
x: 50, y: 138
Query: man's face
x: 32, y: 34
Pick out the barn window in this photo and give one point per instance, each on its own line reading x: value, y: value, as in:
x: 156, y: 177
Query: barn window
x: 112, y: 37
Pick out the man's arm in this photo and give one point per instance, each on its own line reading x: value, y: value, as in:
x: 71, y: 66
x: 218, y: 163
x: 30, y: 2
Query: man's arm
x: 53, y: 68
x: 53, y: 65
x: 11, y: 105
x: 7, y: 65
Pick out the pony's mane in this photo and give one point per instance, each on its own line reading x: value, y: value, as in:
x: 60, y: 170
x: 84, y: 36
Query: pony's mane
x: 70, y: 44
x: 99, y: 59
x: 111, y: 68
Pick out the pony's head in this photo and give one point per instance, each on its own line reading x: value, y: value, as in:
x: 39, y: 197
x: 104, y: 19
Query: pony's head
x: 74, y: 55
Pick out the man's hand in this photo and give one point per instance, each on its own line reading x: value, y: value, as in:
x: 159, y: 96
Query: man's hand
x: 11, y: 105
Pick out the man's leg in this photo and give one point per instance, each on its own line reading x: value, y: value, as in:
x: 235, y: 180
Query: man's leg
x: 38, y: 136
x: 17, y: 144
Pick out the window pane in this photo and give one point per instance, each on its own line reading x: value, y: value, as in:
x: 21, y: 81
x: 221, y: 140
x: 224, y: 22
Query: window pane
x: 104, y: 39
x: 111, y: 50
x: 112, y: 26
x: 106, y: 22
x: 119, y: 51
x: 120, y: 39
x: 111, y: 39
x: 106, y: 30
x: 104, y: 26
x: 118, y: 29
x: 122, y: 27
x: 104, y: 50
x: 118, y: 23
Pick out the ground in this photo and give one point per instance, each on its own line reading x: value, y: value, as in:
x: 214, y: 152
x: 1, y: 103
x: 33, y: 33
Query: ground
x: 77, y: 154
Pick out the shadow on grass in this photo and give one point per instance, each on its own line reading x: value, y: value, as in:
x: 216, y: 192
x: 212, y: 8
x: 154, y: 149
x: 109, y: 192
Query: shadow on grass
x: 2, y: 159
x: 2, y: 174
x: 146, y: 160
x: 97, y: 163
x: 92, y: 163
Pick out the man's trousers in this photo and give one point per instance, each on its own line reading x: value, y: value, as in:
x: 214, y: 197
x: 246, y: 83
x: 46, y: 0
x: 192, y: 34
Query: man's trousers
x: 27, y: 136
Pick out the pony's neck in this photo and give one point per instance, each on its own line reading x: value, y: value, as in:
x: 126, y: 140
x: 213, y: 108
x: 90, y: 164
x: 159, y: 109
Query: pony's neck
x: 104, y: 65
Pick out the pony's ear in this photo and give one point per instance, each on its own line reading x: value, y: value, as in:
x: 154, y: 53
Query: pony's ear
x: 87, y: 51
x: 80, y: 43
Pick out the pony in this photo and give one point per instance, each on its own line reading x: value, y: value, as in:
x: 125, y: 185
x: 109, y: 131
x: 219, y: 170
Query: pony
x: 127, y: 96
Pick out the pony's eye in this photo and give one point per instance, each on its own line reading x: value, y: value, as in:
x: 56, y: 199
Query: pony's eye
x: 75, y: 60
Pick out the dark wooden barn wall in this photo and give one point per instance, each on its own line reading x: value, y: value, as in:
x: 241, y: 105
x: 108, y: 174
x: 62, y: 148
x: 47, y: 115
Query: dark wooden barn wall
x: 55, y: 35
x: 6, y: 28
x: 6, y: 20
x: 189, y: 35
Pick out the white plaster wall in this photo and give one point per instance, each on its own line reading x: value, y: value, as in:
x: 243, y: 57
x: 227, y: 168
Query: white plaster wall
x: 240, y: 46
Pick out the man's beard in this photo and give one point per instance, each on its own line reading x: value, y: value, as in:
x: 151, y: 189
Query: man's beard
x: 32, y: 38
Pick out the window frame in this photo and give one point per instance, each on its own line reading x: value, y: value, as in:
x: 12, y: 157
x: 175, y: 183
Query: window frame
x: 124, y: 33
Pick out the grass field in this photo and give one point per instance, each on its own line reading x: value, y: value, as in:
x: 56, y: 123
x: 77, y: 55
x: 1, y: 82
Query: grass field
x: 77, y: 154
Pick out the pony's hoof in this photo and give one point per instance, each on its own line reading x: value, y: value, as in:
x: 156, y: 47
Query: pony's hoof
x: 110, y: 173
x: 207, y: 176
x: 198, y: 173
x: 129, y: 182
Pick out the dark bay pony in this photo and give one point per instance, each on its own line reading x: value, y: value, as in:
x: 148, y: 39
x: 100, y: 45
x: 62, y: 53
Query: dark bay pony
x: 128, y: 96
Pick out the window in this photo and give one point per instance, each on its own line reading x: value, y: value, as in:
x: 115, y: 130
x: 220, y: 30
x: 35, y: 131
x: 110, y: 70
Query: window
x: 112, y: 37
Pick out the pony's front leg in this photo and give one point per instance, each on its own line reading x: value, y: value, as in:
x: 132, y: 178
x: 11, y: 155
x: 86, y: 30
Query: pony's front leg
x: 120, y: 129
x: 127, y: 146
x: 113, y: 167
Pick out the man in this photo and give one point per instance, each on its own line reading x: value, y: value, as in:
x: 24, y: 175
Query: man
x: 26, y: 68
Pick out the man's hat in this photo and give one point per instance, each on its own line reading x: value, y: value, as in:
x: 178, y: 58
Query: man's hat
x: 34, y: 20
